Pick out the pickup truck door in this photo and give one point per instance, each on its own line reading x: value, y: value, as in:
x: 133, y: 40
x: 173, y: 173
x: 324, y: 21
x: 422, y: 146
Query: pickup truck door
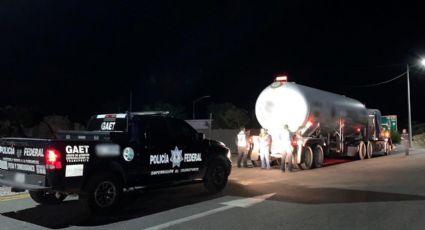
x: 155, y: 151
x: 187, y: 145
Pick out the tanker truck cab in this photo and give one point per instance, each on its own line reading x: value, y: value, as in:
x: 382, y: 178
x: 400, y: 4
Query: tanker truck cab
x: 118, y: 152
x: 323, y: 123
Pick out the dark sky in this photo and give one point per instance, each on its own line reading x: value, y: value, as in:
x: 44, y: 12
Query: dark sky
x: 83, y: 57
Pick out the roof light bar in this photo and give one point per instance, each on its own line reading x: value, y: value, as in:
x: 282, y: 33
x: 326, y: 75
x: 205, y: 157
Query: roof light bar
x: 282, y: 78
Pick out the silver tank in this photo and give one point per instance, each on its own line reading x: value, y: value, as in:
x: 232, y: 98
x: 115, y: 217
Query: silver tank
x: 295, y: 105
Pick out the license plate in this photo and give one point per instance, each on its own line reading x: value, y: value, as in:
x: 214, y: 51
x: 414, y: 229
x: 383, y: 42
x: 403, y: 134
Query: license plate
x: 20, y: 178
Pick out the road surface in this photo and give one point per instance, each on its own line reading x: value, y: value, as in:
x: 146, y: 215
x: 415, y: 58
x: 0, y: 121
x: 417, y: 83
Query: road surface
x: 385, y: 192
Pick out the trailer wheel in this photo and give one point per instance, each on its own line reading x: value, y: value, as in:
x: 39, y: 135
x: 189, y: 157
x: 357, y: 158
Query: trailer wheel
x: 362, y: 150
x: 307, y: 158
x: 47, y: 198
x: 318, y: 156
x: 369, y: 149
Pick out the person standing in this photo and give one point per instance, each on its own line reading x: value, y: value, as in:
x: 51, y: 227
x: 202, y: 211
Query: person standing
x: 264, y: 141
x: 253, y: 156
x: 405, y: 141
x: 285, y: 138
x: 243, y: 145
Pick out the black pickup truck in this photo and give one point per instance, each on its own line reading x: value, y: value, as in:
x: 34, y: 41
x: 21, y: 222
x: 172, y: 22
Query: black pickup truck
x: 116, y: 153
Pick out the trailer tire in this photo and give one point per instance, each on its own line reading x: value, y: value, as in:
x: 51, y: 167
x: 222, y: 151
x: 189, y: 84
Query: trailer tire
x: 46, y: 198
x: 102, y: 193
x: 307, y: 158
x: 318, y: 156
x: 362, y: 150
x: 369, y: 149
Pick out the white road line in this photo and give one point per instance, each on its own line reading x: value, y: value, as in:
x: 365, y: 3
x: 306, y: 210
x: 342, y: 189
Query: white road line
x: 189, y: 218
x: 239, y: 203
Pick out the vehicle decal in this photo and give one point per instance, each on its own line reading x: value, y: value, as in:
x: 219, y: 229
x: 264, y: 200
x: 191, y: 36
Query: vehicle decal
x: 74, y: 170
x: 128, y: 154
x: 189, y: 170
x: 176, y: 157
x: 40, y: 169
x: 7, y: 150
x: 21, y: 167
x: 192, y: 157
x: 77, y: 153
x: 25, y: 160
x: 159, y: 159
x: 33, y: 152
x: 3, y: 165
x: 107, y: 126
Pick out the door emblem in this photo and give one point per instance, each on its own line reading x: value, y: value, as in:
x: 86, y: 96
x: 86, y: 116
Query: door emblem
x: 176, y: 157
x: 128, y: 154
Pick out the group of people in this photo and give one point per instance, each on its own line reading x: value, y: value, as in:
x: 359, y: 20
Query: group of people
x: 281, y: 146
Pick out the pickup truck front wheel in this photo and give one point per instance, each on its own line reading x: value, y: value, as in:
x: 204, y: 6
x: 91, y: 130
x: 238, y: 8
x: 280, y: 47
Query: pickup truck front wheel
x: 102, y: 193
x: 47, y: 198
x: 216, y: 176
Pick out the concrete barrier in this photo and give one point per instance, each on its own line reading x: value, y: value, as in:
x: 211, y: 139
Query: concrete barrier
x: 419, y: 139
x: 227, y: 136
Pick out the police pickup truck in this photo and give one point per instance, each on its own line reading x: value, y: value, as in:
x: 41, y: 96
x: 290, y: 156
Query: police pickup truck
x: 117, y: 153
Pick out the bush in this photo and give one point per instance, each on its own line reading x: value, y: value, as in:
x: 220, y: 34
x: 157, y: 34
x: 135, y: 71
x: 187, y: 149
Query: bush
x: 395, y: 137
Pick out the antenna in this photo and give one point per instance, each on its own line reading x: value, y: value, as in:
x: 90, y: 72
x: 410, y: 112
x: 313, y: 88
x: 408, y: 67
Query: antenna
x: 129, y: 109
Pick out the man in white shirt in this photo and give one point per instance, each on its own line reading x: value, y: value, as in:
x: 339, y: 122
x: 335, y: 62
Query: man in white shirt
x: 243, y: 147
x: 286, y: 145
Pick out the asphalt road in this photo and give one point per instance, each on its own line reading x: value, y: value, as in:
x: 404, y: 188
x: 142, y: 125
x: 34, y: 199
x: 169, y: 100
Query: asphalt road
x: 381, y: 193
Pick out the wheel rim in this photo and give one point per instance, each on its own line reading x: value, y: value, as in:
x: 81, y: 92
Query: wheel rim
x: 218, y: 175
x: 105, y: 194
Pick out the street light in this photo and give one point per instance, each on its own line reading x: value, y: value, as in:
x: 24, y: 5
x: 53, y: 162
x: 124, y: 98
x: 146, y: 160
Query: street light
x: 408, y: 105
x: 194, y: 102
x: 408, y: 100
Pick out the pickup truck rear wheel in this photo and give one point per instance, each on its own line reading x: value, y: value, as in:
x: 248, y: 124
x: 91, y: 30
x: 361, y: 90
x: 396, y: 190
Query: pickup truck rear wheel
x: 216, y: 176
x: 47, y: 198
x: 102, y: 194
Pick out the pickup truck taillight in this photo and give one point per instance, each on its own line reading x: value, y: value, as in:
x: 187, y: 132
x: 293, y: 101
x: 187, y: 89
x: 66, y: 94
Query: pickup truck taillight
x: 53, y: 159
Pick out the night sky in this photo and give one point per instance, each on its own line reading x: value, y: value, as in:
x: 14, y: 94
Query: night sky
x: 82, y: 57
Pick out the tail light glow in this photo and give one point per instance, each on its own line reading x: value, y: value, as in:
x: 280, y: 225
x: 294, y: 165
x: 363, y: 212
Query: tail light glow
x: 53, y: 159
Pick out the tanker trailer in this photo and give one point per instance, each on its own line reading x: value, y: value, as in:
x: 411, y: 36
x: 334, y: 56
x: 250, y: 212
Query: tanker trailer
x: 323, y: 123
